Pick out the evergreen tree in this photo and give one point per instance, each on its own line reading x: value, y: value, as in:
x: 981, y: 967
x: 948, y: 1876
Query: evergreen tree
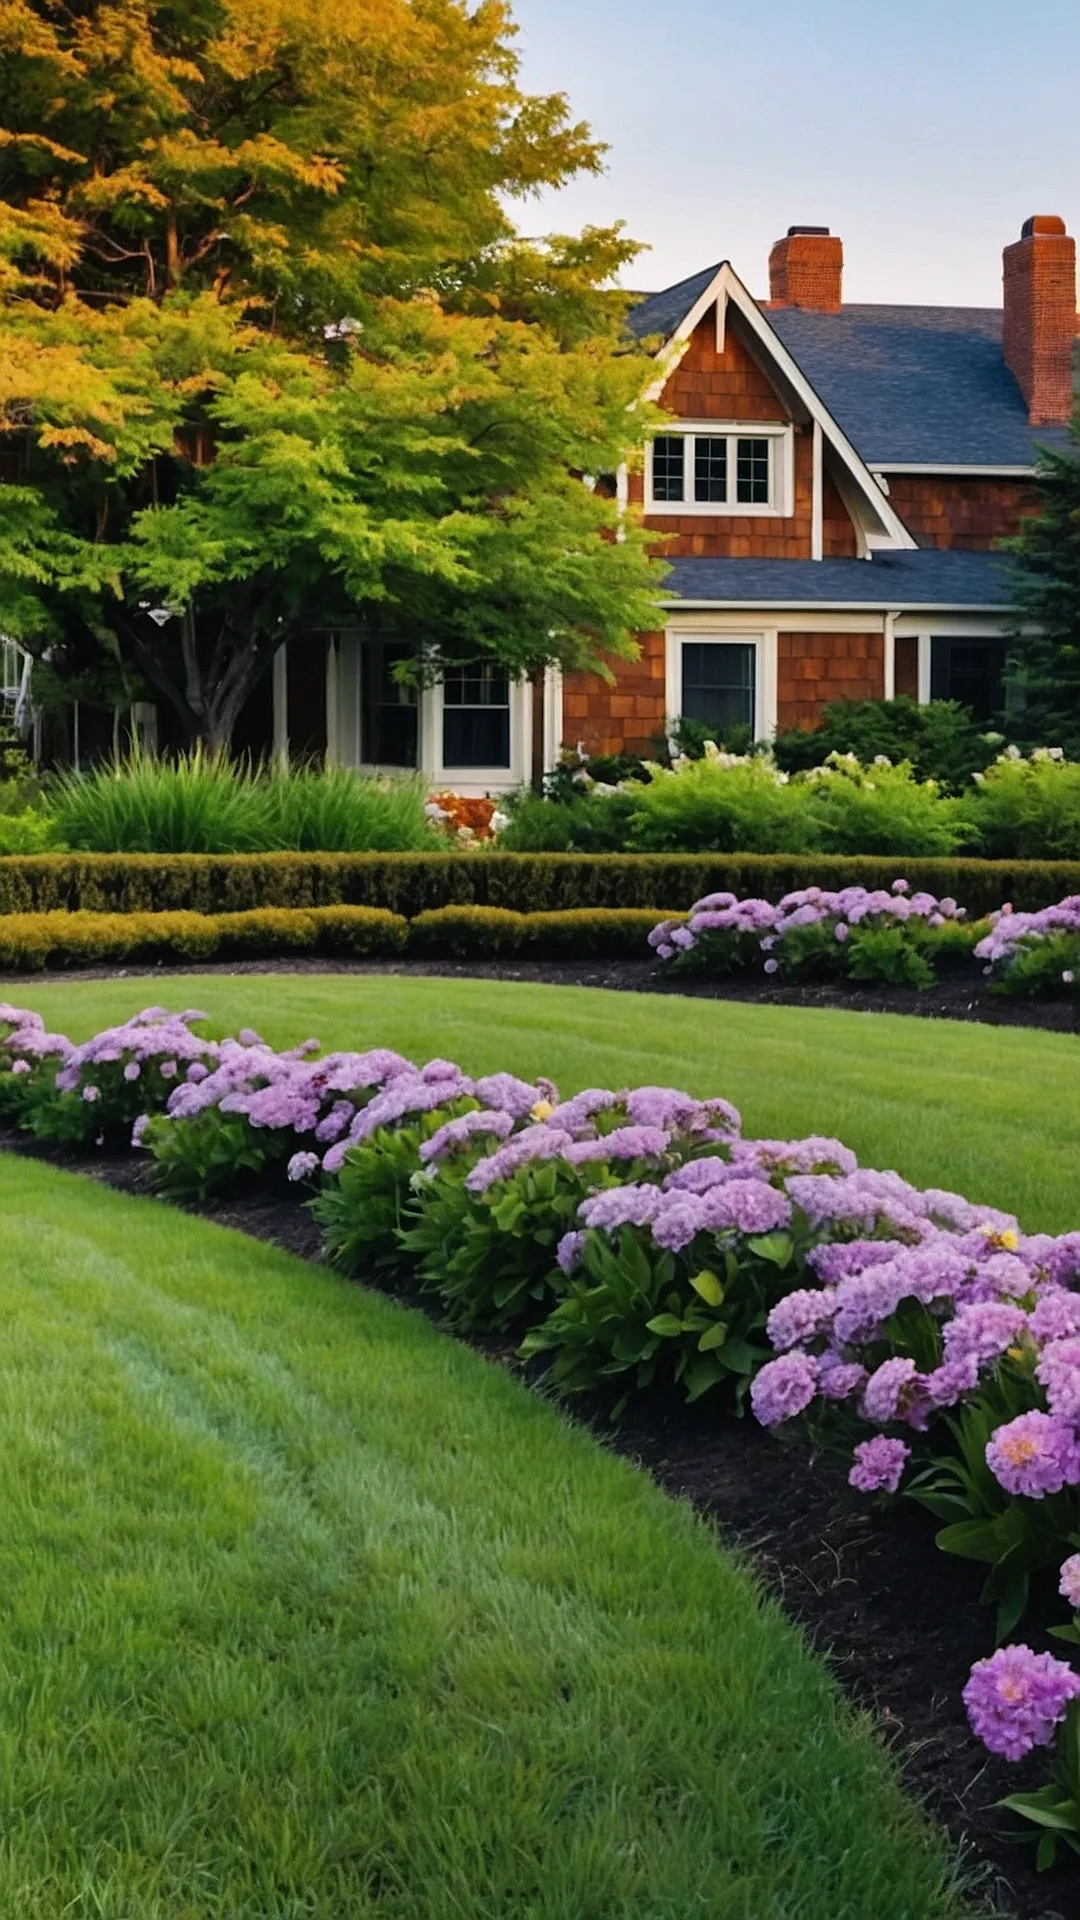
x: 273, y: 356
x: 1044, y: 661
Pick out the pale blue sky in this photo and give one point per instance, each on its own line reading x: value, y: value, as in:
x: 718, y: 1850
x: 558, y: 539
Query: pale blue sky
x: 922, y: 131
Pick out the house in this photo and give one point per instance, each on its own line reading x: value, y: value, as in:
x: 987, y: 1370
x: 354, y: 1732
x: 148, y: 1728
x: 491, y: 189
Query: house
x: 836, y: 480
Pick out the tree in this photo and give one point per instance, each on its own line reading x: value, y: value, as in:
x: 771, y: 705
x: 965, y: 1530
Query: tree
x: 1044, y: 661
x: 273, y: 356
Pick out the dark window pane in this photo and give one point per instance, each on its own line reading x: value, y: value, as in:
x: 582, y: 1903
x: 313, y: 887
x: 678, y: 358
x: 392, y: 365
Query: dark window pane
x: 667, y: 468
x: 971, y: 671
x: 476, y: 717
x: 719, y: 684
x: 710, y: 469
x: 752, y: 473
x: 388, y: 712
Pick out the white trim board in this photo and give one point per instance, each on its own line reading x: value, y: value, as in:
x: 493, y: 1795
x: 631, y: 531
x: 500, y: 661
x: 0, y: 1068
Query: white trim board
x: 726, y: 287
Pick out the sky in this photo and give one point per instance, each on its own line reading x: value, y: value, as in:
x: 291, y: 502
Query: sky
x: 924, y: 132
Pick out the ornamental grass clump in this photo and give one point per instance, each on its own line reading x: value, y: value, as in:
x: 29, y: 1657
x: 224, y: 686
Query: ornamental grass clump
x: 206, y: 803
x: 896, y: 936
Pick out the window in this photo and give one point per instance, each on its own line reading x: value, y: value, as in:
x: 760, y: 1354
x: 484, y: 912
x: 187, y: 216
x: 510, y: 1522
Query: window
x: 971, y: 671
x: 388, y: 711
x: 719, y: 683
x: 714, y: 468
x: 476, y: 716
x: 668, y: 467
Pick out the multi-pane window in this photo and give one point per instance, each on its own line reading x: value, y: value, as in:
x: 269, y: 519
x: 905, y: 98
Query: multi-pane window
x: 730, y: 471
x: 971, y: 671
x: 719, y: 683
x: 669, y: 467
x: 752, y: 472
x: 476, y: 716
x: 389, y: 710
x: 710, y: 469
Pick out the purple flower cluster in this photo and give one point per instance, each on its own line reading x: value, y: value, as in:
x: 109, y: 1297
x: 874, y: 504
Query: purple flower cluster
x: 1011, y: 932
x: 731, y: 928
x: 1016, y: 1699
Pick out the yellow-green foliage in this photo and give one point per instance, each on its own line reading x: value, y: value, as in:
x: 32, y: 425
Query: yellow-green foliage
x: 36, y: 940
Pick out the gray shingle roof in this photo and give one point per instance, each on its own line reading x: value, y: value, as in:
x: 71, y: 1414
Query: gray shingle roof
x: 923, y: 577
x: 908, y: 385
x: 917, y: 384
x: 661, y: 312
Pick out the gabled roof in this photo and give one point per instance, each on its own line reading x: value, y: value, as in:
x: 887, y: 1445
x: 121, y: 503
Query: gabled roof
x: 909, y: 386
x: 919, y: 577
x: 917, y: 385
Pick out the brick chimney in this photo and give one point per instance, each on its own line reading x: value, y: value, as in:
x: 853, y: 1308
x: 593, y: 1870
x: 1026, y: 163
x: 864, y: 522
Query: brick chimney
x: 1040, y: 318
x: 806, y: 269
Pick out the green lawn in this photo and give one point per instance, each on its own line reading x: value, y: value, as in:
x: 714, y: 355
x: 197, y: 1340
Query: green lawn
x: 992, y: 1112
x: 310, y: 1613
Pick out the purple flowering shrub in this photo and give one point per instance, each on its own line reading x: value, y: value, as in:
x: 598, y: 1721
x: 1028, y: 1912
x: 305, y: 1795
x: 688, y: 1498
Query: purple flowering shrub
x: 26, y: 1051
x: 895, y: 936
x: 259, y: 1111
x: 75, y: 1095
x: 672, y: 1281
x: 1034, y: 953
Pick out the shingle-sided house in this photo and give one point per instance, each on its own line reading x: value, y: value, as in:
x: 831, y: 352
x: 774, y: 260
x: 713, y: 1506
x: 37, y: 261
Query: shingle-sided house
x: 836, y: 481
x: 835, y: 478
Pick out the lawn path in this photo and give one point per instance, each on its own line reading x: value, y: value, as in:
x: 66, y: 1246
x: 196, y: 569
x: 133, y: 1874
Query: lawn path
x: 309, y: 1611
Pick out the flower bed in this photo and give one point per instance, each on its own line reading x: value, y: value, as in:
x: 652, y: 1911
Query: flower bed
x: 896, y: 935
x: 635, y: 1238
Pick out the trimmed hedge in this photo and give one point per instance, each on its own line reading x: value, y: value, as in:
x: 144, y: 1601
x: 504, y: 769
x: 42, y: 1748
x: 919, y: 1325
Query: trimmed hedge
x: 32, y: 941
x: 415, y: 883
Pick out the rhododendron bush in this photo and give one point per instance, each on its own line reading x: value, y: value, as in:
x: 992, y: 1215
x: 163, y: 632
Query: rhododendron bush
x: 633, y: 1239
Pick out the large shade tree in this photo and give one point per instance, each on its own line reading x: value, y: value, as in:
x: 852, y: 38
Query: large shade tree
x: 273, y: 355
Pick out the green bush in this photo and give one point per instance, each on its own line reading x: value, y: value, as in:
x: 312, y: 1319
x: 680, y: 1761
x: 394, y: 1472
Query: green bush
x: 942, y: 740
x: 467, y: 932
x: 881, y: 810
x: 30, y: 831
x: 410, y: 884
x: 588, y: 823
x: 30, y: 941
x: 710, y: 804
x: 1026, y: 809
x: 206, y: 804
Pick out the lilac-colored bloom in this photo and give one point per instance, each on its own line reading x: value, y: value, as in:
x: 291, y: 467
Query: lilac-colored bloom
x: 1034, y: 1455
x: 569, y: 1250
x: 302, y: 1166
x: 799, y: 1317
x: 1016, y: 1699
x: 536, y: 1143
x: 1069, y: 1586
x: 625, y: 1143
x: 90, y: 1094
x: 745, y: 1206
x: 840, y: 1379
x: 132, y: 1070
x: 878, y: 1465
x: 886, y: 1390
x: 139, y: 1129
x: 1058, y: 1371
x: 984, y: 1331
x: 458, y: 1135
x: 697, y: 1176
x: 1056, y: 1316
x: 772, y: 966
x: 677, y: 1222
x: 784, y: 1388
x: 635, y: 1205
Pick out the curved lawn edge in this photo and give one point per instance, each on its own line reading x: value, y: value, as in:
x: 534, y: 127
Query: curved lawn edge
x: 991, y: 1112
x: 343, y: 1619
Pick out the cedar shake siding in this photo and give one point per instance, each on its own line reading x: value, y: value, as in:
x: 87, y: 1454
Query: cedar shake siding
x: 627, y: 717
x: 814, y: 668
x: 945, y: 511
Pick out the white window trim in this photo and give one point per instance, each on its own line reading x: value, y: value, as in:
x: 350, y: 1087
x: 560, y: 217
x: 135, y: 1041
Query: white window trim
x: 781, y: 436
x: 343, y: 715
x: 765, y: 669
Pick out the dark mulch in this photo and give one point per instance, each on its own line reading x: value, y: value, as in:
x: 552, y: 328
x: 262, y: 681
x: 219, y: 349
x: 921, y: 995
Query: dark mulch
x: 899, y: 1622
x: 953, y: 998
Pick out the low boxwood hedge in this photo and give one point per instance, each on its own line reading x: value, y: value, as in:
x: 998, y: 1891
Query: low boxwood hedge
x: 32, y: 941
x: 416, y: 883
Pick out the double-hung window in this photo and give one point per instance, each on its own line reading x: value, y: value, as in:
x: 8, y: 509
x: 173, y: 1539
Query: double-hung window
x: 720, y: 469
